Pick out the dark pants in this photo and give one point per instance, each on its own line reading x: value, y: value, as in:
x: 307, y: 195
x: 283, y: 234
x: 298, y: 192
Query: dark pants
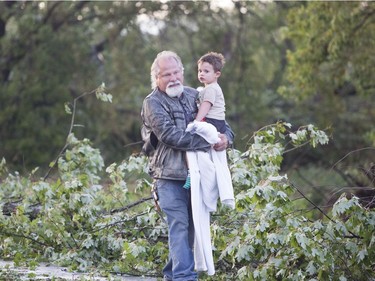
x: 219, y: 124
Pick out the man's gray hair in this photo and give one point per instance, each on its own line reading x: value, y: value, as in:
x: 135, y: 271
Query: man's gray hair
x: 155, y: 69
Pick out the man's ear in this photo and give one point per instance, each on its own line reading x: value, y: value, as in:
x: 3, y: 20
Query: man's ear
x: 218, y: 73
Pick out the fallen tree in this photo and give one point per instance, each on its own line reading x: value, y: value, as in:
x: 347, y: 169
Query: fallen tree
x: 89, y: 220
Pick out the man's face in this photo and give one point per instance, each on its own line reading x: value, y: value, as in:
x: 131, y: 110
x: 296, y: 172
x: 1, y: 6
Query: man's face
x: 170, y: 79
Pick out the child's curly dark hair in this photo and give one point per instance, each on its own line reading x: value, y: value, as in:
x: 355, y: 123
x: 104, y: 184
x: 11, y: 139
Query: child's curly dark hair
x: 217, y: 60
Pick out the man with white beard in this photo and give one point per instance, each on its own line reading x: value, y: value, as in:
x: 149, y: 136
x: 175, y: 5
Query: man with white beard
x: 166, y: 112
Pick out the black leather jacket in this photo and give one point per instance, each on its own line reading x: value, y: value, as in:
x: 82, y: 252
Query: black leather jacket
x: 163, y: 132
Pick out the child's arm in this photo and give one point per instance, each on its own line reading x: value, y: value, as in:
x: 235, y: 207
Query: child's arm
x: 204, y: 107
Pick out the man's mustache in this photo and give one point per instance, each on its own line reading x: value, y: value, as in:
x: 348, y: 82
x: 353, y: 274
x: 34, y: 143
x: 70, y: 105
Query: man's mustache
x: 174, y: 84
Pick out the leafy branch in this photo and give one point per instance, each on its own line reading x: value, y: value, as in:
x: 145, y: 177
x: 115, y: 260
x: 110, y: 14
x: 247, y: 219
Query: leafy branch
x: 101, y: 94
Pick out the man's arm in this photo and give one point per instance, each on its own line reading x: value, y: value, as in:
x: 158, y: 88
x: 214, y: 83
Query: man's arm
x: 164, y: 129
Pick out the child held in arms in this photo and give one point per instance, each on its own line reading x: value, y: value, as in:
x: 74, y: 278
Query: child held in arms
x: 211, y: 97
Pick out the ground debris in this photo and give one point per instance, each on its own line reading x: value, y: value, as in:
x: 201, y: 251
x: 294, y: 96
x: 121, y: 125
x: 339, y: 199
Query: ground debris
x: 8, y: 272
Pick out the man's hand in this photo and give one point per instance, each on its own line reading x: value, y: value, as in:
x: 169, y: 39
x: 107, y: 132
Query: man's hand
x: 222, y: 144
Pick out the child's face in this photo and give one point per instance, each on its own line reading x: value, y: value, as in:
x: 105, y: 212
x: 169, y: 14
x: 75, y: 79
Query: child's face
x: 207, y: 74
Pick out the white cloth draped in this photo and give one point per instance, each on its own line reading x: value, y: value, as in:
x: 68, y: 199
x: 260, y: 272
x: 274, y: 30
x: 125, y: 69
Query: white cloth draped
x: 210, y: 180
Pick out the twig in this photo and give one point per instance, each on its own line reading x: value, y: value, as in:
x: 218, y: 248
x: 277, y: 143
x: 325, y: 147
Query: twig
x: 26, y: 237
x: 296, y: 147
x: 131, y: 205
x: 312, y: 203
x: 70, y: 131
x: 324, y: 214
x: 357, y: 150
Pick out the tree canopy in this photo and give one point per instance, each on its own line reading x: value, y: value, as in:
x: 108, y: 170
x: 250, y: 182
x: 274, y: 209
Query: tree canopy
x: 294, y: 61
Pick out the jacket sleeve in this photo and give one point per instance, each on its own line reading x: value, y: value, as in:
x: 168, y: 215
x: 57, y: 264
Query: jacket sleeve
x: 159, y: 120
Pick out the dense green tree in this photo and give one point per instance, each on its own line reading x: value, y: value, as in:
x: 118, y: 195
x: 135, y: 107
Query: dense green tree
x: 51, y: 53
x: 330, y: 76
x: 39, y: 62
x: 333, y: 49
x: 331, y: 66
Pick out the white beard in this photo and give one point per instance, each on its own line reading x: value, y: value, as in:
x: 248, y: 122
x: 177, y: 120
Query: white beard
x: 174, y: 91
